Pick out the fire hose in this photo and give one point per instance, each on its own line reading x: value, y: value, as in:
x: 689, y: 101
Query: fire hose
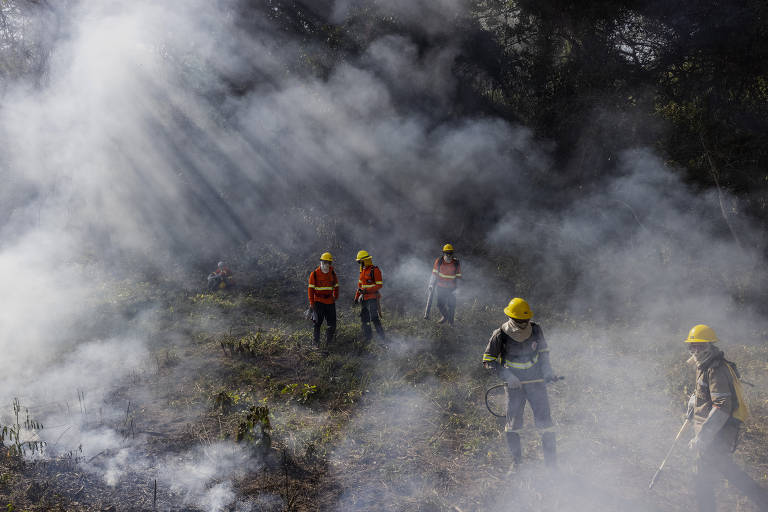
x: 505, y: 385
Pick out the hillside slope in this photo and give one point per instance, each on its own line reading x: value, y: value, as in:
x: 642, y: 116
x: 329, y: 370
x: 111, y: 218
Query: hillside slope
x: 237, y: 391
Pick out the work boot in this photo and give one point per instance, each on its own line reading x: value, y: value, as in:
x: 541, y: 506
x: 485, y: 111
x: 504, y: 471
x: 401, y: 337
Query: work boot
x: 515, y: 449
x: 442, y: 320
x: 548, y: 446
x: 379, y: 329
x: 329, y: 332
x: 367, y: 332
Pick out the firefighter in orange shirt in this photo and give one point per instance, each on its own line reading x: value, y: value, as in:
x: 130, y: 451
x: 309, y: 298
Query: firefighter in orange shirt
x: 323, y: 290
x: 368, y: 285
x: 446, y: 273
x: 220, y: 278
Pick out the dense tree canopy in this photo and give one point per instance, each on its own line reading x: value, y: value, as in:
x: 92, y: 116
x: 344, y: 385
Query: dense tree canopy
x: 688, y: 79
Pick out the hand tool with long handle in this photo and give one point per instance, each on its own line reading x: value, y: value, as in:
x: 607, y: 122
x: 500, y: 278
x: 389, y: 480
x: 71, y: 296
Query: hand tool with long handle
x: 669, y: 452
x: 430, y: 292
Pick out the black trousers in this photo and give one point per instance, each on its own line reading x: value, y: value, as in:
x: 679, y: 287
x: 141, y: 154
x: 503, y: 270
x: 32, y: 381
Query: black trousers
x: 716, y: 462
x: 446, y: 303
x: 369, y: 312
x: 325, y: 312
x: 536, y: 394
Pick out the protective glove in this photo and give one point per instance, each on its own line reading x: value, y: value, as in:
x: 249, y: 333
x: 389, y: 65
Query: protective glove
x: 546, y: 368
x: 512, y: 381
x: 491, y: 365
x: 691, y: 406
x: 694, y: 444
x: 711, y: 426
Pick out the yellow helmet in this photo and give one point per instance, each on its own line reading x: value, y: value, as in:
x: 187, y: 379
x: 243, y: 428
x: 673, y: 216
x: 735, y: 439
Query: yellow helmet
x: 701, y: 334
x: 362, y: 255
x: 447, y: 248
x: 518, y: 309
x: 326, y: 256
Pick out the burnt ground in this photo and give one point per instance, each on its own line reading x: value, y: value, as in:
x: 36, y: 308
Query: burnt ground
x: 358, y: 426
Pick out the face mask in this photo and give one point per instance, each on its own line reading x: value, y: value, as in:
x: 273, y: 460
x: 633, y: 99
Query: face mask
x: 447, y: 258
x: 325, y: 267
x: 700, y: 355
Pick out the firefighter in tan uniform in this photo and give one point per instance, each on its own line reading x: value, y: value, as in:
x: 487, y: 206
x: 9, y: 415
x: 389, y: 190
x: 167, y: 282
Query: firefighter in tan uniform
x: 717, y: 417
x: 518, y: 351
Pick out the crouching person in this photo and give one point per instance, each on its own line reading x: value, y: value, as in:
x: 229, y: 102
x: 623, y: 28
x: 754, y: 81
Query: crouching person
x: 220, y: 278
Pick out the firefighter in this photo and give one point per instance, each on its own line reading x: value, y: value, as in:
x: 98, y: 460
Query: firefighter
x: 323, y: 290
x: 718, y: 413
x: 367, y: 295
x: 446, y: 273
x: 220, y: 278
x: 518, y: 351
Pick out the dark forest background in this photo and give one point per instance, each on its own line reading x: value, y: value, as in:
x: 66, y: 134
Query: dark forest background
x: 589, y: 79
x: 595, y: 77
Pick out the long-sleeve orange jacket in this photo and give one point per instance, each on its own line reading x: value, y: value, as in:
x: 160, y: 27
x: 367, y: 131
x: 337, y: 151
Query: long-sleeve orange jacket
x: 323, y: 287
x: 369, y: 282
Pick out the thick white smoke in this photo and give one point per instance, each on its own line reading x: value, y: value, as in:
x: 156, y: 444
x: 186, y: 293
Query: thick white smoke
x: 136, y: 153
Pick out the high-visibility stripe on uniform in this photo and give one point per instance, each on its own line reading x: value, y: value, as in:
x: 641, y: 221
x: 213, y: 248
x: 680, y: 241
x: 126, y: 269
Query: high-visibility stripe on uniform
x: 322, y: 287
x: 719, y: 395
x: 522, y: 366
x: 449, y: 278
x: 487, y: 357
x: 369, y: 282
x: 541, y: 430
